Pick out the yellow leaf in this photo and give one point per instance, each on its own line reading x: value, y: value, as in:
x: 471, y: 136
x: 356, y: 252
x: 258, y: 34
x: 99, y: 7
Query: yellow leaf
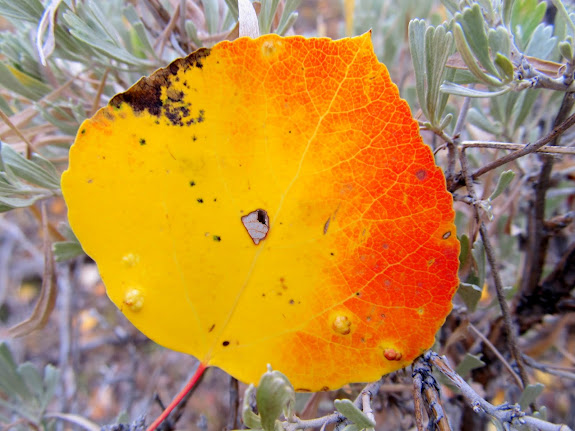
x: 305, y: 139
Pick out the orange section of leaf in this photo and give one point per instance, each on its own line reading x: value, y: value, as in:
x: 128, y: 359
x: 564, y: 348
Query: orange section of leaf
x: 269, y: 201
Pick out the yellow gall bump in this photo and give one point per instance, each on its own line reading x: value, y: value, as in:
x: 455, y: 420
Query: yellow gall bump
x: 341, y: 325
x: 268, y: 48
x: 392, y: 355
x: 131, y: 260
x: 134, y: 299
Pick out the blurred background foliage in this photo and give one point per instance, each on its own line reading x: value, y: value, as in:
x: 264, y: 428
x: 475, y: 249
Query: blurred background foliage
x: 483, y: 78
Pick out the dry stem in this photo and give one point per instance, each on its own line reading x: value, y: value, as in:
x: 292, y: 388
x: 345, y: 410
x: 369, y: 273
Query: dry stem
x: 527, y: 149
x: 490, y: 253
x: 504, y: 413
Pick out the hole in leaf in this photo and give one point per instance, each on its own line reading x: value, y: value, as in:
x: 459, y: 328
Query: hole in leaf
x: 257, y: 224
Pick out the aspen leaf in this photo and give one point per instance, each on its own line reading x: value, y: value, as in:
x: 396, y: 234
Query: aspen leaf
x: 302, y: 144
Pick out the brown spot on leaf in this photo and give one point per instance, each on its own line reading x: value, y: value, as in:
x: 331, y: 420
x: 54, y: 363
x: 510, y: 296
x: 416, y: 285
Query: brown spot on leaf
x: 174, y: 95
x: 146, y: 94
x: 326, y: 226
x: 108, y: 115
x: 421, y: 174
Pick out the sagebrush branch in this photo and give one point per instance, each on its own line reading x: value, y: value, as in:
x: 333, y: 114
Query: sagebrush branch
x: 496, y: 352
x: 537, y: 235
x: 526, y: 149
x: 362, y: 401
x: 426, y: 392
x: 550, y: 149
x: 505, y: 413
x: 532, y: 78
x: 490, y: 254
